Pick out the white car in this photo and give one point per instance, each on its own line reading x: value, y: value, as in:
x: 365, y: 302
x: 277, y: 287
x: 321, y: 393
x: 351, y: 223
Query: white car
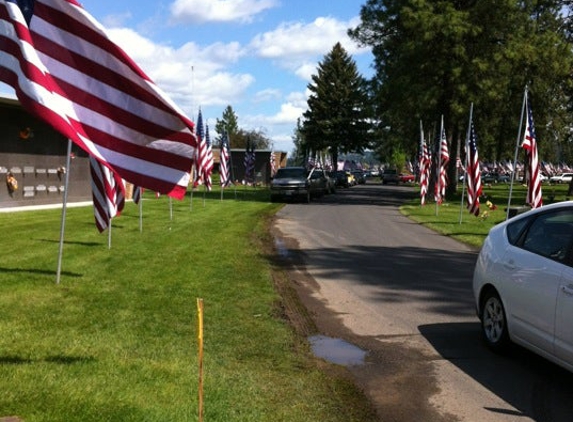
x: 523, y: 283
x: 561, y: 178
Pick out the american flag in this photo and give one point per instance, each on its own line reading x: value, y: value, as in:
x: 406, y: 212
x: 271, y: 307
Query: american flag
x: 224, y: 175
x: 444, y: 158
x: 200, y: 152
x: 208, y: 166
x: 273, y: 163
x: 425, y: 167
x: 137, y: 193
x: 473, y: 173
x: 249, y: 162
x: 65, y: 70
x: 107, y: 193
x: 529, y: 143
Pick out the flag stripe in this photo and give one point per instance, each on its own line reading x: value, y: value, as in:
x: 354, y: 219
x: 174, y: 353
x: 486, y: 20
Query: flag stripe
x: 108, y: 194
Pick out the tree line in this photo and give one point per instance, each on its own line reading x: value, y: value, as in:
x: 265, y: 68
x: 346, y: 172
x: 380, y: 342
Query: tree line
x: 434, y: 58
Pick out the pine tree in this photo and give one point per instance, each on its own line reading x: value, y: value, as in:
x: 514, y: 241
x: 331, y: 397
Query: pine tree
x: 338, y: 112
x: 228, y: 124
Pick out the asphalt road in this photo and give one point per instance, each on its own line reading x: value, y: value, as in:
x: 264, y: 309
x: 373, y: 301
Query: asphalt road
x: 402, y: 293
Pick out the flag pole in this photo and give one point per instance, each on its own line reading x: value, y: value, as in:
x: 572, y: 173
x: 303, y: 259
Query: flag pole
x: 64, y: 208
x: 466, y: 160
x: 141, y: 212
x: 109, y: 234
x: 516, y: 150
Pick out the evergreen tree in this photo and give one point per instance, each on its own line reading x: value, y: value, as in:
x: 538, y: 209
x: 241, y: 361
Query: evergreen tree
x: 338, y: 114
x: 436, y: 57
x: 229, y: 124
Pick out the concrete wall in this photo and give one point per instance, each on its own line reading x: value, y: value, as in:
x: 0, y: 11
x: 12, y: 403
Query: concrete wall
x: 34, y: 152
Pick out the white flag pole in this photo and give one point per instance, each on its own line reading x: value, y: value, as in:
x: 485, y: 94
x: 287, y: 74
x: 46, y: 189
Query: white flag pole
x: 140, y: 211
x: 109, y: 234
x: 64, y: 208
x: 515, y: 154
x: 466, y: 160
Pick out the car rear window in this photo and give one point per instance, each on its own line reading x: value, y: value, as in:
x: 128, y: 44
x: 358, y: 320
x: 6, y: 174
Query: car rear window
x: 291, y: 173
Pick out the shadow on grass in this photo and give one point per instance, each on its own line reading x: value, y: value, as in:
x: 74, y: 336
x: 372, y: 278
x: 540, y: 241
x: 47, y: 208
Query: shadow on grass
x: 61, y: 360
x: 36, y: 271
x: 67, y: 242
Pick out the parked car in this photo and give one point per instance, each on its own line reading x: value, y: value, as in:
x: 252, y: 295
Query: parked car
x: 291, y: 183
x: 343, y: 178
x: 493, y: 177
x: 406, y: 178
x: 561, y: 178
x: 523, y: 283
x: 390, y: 176
x: 319, y: 183
x: 359, y: 176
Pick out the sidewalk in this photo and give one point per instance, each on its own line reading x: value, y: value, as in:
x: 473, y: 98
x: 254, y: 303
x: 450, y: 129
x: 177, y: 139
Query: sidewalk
x: 45, y: 207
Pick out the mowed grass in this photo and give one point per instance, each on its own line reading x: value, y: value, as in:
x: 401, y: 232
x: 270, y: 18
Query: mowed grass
x: 116, y: 339
x: 465, y: 227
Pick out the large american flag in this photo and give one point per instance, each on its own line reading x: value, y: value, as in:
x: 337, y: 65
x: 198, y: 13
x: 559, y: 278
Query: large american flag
x: 107, y: 193
x: 66, y: 71
x: 224, y: 175
x: 442, y: 177
x: 529, y: 143
x: 473, y: 173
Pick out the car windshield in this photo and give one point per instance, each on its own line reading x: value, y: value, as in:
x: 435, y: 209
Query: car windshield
x: 286, y: 172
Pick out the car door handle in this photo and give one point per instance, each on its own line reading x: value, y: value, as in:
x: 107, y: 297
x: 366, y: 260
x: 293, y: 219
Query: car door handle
x: 568, y: 290
x: 510, y: 265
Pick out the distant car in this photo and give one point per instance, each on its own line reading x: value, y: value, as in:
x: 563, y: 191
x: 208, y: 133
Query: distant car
x: 359, y: 176
x: 319, y: 183
x: 493, y: 177
x: 390, y: 176
x: 561, y: 178
x: 291, y: 183
x: 406, y: 178
x: 523, y: 283
x: 343, y: 178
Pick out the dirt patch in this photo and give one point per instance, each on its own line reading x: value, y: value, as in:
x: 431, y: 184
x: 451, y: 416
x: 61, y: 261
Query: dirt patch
x: 397, y: 379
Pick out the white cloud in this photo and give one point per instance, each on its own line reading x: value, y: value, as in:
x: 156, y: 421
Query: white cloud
x: 267, y: 95
x: 197, y: 11
x: 295, y: 44
x: 117, y: 20
x: 191, y: 75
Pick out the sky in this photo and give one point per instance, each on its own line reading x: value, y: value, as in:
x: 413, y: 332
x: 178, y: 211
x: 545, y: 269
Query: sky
x: 257, y: 56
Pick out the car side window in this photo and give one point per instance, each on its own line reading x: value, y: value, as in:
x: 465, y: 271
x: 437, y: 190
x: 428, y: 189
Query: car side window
x: 550, y: 235
x: 515, y: 229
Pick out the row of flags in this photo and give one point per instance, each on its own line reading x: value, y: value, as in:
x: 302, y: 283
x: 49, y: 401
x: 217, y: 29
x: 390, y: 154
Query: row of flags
x: 472, y: 166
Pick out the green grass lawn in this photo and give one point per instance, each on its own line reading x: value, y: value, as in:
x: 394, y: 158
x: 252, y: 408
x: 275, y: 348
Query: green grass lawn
x: 463, y: 226
x: 116, y: 339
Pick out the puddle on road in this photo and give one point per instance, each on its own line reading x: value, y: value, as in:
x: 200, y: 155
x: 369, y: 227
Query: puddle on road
x: 337, y: 351
x: 282, y: 250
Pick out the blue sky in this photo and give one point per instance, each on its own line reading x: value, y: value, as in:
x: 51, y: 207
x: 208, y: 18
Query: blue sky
x: 255, y: 55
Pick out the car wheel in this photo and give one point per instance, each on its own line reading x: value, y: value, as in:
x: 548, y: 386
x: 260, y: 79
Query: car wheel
x: 494, y: 322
